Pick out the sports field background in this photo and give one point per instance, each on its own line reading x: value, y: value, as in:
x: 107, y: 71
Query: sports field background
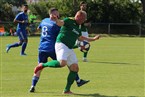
x: 115, y: 68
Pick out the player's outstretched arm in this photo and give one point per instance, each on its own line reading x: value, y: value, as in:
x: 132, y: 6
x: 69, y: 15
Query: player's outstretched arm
x: 96, y: 37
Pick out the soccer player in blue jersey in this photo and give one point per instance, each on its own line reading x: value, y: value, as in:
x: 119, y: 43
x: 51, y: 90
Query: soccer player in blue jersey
x: 49, y: 32
x: 22, y: 20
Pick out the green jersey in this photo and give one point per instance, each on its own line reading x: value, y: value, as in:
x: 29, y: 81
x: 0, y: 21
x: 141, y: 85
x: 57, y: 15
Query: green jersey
x: 84, y: 28
x: 69, y: 33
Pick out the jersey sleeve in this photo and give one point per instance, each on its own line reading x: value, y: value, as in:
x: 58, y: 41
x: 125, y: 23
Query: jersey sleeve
x: 18, y: 17
x: 66, y: 21
x: 84, y: 28
x: 80, y: 34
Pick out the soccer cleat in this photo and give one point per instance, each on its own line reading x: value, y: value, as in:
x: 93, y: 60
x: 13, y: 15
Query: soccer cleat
x: 23, y: 54
x: 32, y: 89
x: 67, y: 92
x: 82, y: 82
x: 37, y: 68
x: 7, y: 49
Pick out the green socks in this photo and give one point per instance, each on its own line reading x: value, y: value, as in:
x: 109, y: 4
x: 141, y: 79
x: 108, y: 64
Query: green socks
x: 53, y: 64
x: 70, y: 79
x: 71, y: 76
x: 85, y: 54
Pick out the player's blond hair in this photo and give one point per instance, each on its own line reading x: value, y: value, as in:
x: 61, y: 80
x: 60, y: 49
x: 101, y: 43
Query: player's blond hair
x: 81, y: 12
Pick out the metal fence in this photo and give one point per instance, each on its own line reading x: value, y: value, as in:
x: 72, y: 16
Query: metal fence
x: 101, y: 28
x: 118, y: 28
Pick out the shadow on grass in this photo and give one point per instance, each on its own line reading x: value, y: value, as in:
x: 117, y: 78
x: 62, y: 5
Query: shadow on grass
x: 45, y: 92
x: 118, y: 63
x: 79, y: 95
x: 93, y: 95
x: 97, y: 95
x: 84, y: 95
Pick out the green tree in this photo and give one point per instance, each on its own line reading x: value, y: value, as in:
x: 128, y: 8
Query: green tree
x: 6, y: 9
x: 143, y: 5
x: 115, y: 11
x: 6, y: 12
x: 105, y: 11
x: 14, y: 2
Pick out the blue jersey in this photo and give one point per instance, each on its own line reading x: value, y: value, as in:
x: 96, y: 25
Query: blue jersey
x: 49, y: 32
x: 22, y: 17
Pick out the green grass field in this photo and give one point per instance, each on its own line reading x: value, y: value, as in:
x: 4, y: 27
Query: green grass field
x: 115, y: 68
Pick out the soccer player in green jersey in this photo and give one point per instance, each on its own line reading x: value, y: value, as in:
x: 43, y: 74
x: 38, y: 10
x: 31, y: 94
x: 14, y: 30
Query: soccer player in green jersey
x: 70, y: 31
x: 49, y: 32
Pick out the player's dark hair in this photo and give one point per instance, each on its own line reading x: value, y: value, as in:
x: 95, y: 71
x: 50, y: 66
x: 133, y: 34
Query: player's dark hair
x: 82, y: 2
x: 25, y: 5
x: 52, y: 9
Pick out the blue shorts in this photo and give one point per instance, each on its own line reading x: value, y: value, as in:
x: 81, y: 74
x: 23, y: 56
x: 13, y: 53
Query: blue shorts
x: 22, y: 34
x: 43, y: 56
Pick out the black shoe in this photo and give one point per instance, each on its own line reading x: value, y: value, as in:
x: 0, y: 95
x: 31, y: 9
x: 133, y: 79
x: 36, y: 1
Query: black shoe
x: 32, y: 89
x: 82, y: 82
x: 23, y: 54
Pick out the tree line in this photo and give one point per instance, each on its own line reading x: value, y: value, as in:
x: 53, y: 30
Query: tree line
x: 100, y: 11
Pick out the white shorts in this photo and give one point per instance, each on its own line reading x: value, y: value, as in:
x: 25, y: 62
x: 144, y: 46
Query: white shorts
x: 85, y: 34
x: 64, y: 53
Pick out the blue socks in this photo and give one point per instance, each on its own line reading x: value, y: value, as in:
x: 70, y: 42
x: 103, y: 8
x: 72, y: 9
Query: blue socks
x: 14, y: 45
x: 24, y: 45
x: 34, y: 80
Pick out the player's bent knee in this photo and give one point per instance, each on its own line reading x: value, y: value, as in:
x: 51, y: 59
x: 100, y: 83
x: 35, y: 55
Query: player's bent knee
x: 20, y: 43
x: 25, y: 40
x: 63, y: 63
x: 74, y: 67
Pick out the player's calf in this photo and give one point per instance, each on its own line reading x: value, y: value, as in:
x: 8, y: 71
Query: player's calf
x: 38, y: 68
